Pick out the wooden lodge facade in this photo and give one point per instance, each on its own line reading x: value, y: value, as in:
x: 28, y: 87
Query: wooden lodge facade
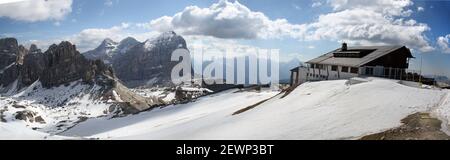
x: 347, y: 62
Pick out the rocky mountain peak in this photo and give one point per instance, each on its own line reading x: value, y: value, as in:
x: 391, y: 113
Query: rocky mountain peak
x: 149, y: 63
x: 11, y: 55
x: 128, y: 40
x: 34, y: 49
x: 108, y: 43
x: 168, y: 38
x: 109, y: 48
x: 9, y: 45
x: 126, y: 44
x: 61, y: 64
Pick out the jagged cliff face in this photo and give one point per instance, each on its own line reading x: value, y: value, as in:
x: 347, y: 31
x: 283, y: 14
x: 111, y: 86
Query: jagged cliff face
x: 8, y: 52
x: 11, y: 57
x: 140, y: 64
x: 61, y: 64
x: 149, y: 63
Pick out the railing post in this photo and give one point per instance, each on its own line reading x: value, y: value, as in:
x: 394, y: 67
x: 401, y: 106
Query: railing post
x: 401, y: 74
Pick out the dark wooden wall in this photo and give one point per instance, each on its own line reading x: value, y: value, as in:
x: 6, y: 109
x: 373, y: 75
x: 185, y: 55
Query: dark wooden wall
x: 396, y: 59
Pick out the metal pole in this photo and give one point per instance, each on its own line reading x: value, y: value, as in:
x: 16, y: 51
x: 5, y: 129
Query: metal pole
x: 420, y: 76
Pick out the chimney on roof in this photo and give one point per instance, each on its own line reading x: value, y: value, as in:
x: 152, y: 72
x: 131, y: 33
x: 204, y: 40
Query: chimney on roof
x: 344, y: 47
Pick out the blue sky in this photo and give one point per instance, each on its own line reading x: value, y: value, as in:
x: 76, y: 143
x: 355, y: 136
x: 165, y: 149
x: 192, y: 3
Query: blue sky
x: 301, y: 29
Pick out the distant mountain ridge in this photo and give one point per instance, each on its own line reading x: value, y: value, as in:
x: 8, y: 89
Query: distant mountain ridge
x: 137, y: 63
x: 148, y: 63
x: 108, y: 49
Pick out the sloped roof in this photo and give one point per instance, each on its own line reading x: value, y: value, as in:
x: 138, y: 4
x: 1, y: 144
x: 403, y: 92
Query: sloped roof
x: 378, y: 52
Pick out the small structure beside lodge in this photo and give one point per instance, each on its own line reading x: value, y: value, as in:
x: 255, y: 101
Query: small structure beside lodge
x: 347, y: 62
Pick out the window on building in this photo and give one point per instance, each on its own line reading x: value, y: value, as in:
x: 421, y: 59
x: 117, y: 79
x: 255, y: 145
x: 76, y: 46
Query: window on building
x: 320, y: 66
x: 312, y: 65
x: 344, y: 69
x: 369, y: 71
x: 354, y: 70
x: 334, y: 68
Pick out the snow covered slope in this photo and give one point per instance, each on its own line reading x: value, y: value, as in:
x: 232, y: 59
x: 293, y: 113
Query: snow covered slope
x: 169, y: 122
x: 442, y: 111
x: 52, y: 110
x: 318, y: 110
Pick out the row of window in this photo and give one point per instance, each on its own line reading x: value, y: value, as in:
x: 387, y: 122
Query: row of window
x: 335, y: 68
x: 316, y: 75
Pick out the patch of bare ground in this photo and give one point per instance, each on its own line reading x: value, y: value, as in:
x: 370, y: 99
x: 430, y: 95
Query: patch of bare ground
x: 418, y: 126
x: 249, y: 107
x: 285, y: 92
x: 288, y: 90
x: 2, y: 117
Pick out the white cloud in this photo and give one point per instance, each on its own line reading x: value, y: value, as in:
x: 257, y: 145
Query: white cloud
x: 370, y: 22
x: 316, y: 4
x: 311, y: 47
x: 420, y: 9
x: 207, y: 48
x: 109, y: 3
x: 36, y: 10
x: 57, y: 23
x: 225, y: 20
x: 444, y: 43
x: 296, y: 7
x: 88, y: 39
x: 363, y: 22
x: 386, y: 7
x: 367, y: 27
x: 10, y: 1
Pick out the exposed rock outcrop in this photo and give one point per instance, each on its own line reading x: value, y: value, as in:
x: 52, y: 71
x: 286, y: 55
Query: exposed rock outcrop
x: 29, y: 116
x: 62, y: 64
x: 11, y: 56
x: 149, y: 63
x: 9, y: 49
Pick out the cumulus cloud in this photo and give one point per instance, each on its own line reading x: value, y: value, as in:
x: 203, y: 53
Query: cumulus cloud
x: 296, y: 7
x: 36, y: 10
x: 88, y: 39
x: 385, y: 7
x: 10, y: 1
x: 316, y: 4
x: 443, y: 42
x: 208, y: 48
x: 371, y: 22
x: 420, y: 9
x: 225, y: 20
x: 360, y: 22
x: 109, y: 3
x: 366, y: 27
